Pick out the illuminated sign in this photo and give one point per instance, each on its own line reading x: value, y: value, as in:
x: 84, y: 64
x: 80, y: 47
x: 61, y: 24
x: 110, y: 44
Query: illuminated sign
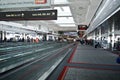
x: 4, y: 4
x: 29, y: 15
x: 82, y: 27
x: 40, y: 1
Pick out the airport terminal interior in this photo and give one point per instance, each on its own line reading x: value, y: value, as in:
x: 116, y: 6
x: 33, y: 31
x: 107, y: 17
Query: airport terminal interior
x: 59, y: 39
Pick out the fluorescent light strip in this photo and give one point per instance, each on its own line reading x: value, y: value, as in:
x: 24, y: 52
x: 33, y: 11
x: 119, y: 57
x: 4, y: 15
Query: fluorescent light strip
x: 103, y: 21
x: 99, y: 13
x: 109, y: 16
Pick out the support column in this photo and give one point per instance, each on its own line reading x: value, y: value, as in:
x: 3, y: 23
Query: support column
x: 113, y: 35
x: 0, y: 36
x: 94, y: 38
x: 109, y: 38
x: 100, y: 39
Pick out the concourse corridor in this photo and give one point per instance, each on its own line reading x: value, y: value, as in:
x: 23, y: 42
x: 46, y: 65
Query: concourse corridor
x: 88, y: 63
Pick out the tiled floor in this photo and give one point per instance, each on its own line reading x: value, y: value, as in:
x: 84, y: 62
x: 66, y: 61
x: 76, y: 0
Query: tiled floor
x: 91, y: 74
x: 89, y: 63
x: 87, y: 54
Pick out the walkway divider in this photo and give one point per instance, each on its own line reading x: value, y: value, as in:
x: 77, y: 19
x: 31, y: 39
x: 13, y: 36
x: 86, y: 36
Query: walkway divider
x: 72, y: 55
x: 48, y: 72
x: 65, y: 69
x: 63, y: 73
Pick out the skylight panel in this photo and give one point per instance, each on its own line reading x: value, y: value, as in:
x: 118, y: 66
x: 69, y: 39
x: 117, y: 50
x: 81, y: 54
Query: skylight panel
x: 64, y: 20
x: 63, y: 11
x: 67, y: 25
x: 60, y: 1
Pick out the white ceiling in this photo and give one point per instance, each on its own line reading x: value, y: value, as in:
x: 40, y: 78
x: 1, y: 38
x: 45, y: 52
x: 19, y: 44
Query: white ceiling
x: 82, y: 11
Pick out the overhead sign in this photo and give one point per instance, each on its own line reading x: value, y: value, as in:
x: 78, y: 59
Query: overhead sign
x: 4, y: 4
x: 40, y: 1
x: 70, y: 33
x: 29, y: 15
x: 82, y: 27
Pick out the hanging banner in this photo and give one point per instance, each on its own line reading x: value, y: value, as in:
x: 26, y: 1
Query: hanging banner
x: 5, y: 4
x: 29, y: 15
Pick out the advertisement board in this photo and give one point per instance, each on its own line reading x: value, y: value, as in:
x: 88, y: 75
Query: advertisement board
x: 5, y: 4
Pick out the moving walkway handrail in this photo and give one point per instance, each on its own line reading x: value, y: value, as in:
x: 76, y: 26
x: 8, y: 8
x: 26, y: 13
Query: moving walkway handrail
x: 26, y: 59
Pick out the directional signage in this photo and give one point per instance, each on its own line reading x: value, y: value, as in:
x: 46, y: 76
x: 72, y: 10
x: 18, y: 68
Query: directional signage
x: 70, y: 33
x: 29, y: 15
x: 5, y: 4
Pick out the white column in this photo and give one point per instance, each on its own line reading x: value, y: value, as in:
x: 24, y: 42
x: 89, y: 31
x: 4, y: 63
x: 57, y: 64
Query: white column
x: 113, y: 34
x: 3, y: 35
x: 94, y: 37
x: 23, y: 36
x: 100, y: 34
